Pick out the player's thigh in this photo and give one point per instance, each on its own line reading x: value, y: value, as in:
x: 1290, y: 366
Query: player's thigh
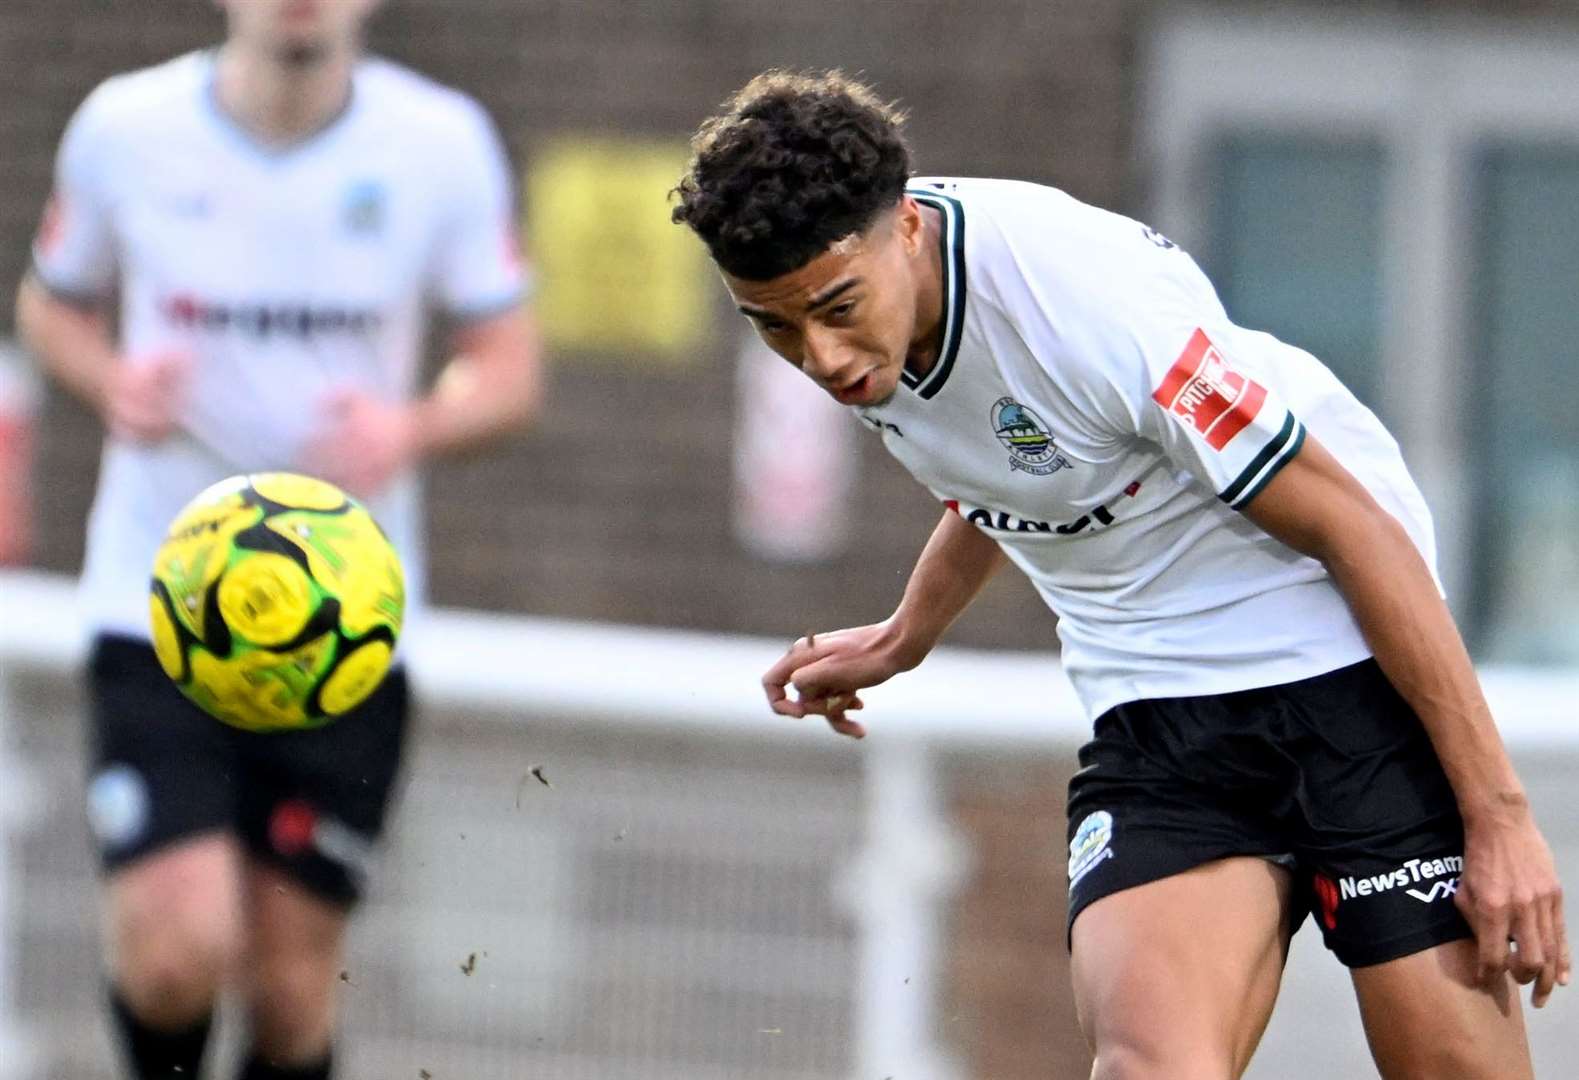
x: 290, y: 921
x: 1427, y: 1018
x: 161, y: 805
x: 296, y: 952
x: 1177, y: 977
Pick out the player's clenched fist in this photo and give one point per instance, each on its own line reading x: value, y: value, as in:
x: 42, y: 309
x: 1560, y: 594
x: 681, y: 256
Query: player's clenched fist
x: 828, y: 671
x: 143, y: 396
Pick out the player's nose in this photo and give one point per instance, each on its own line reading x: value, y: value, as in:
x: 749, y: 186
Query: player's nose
x: 825, y: 360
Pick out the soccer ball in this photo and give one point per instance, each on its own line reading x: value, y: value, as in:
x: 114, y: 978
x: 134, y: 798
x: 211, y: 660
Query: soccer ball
x: 276, y: 601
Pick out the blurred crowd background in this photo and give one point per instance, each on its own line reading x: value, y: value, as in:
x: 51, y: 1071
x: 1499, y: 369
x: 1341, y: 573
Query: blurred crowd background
x: 1393, y: 185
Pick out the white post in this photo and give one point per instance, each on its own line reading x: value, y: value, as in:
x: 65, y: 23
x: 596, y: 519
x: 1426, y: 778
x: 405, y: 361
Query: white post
x: 18, y: 1059
x: 897, y: 888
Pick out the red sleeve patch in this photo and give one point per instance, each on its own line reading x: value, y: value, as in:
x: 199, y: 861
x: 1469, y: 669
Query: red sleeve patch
x: 1212, y: 397
x: 52, y: 225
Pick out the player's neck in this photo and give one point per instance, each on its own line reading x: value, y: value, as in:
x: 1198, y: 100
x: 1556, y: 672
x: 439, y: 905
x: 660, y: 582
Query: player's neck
x: 279, y: 102
x: 927, y: 341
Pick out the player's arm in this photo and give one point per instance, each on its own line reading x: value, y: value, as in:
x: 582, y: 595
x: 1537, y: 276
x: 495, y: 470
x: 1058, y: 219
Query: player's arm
x: 137, y: 401
x: 61, y: 304
x: 490, y: 387
x: 70, y: 337
x: 493, y: 385
x: 1510, y: 887
x: 828, y: 670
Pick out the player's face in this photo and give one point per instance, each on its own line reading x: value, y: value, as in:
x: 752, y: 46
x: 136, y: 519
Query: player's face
x: 848, y: 318
x: 297, y: 31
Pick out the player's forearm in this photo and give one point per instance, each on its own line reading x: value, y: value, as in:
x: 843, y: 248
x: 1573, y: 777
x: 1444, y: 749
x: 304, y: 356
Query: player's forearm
x: 74, y: 343
x: 491, y: 387
x: 957, y: 561
x: 1409, y: 628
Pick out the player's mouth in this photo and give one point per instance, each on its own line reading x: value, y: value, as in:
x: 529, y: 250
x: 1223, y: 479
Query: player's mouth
x: 855, y: 392
x: 302, y: 13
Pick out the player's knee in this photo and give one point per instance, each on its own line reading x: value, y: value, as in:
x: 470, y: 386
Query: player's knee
x: 1134, y: 1059
x: 170, y: 975
x: 1456, y: 1054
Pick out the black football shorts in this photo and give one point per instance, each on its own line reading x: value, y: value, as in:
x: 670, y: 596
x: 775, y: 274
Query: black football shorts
x: 1332, y: 776
x: 309, y: 802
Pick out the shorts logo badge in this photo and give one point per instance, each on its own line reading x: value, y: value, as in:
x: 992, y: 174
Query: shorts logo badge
x: 118, y: 806
x: 1030, y: 444
x: 292, y: 827
x: 1091, y: 845
x: 296, y: 828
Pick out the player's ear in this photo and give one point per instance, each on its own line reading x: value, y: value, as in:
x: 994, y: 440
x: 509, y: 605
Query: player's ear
x: 909, y: 225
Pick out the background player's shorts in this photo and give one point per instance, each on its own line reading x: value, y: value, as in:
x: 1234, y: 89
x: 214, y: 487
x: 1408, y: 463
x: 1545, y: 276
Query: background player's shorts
x: 1332, y: 776
x: 310, y: 802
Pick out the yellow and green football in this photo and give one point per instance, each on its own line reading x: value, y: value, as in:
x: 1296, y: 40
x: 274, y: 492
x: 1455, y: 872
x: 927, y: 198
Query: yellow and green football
x: 276, y: 601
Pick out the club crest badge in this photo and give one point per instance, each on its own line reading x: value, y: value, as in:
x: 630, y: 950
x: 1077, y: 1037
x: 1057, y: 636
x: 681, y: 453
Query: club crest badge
x: 364, y: 208
x: 1091, y: 845
x: 1029, y: 442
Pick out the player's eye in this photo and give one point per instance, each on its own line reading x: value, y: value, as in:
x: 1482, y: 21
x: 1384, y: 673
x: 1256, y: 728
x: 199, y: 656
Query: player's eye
x: 771, y: 326
x: 842, y: 310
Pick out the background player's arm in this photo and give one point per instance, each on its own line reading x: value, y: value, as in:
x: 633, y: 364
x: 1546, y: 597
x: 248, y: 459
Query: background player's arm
x: 492, y: 386
x: 138, y: 401
x: 828, y: 670
x: 1509, y: 886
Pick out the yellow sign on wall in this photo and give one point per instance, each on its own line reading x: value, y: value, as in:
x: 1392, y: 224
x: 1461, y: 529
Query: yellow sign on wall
x: 616, y: 275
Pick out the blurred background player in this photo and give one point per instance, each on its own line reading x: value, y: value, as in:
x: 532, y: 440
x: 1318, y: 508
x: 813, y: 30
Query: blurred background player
x: 1285, y: 716
x: 276, y: 219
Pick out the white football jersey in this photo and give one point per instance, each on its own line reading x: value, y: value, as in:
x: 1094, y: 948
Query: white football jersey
x: 286, y: 273
x: 1094, y: 410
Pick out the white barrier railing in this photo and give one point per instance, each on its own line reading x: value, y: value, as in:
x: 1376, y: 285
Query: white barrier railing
x: 897, y: 888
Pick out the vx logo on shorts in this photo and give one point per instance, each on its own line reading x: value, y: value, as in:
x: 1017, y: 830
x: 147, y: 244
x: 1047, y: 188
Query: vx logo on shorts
x: 1438, y: 890
x: 1030, y: 444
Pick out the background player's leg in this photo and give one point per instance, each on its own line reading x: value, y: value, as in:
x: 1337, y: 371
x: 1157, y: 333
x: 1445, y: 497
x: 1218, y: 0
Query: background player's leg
x: 1426, y: 1018
x: 296, y: 954
x: 1176, y: 978
x: 174, y: 930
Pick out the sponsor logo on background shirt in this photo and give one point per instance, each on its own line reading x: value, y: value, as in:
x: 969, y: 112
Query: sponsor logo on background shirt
x: 1204, y: 392
x: 268, y: 321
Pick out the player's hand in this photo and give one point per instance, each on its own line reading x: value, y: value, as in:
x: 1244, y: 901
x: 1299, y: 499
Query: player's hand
x: 143, y: 397
x: 363, y: 443
x: 1510, y: 894
x: 828, y: 671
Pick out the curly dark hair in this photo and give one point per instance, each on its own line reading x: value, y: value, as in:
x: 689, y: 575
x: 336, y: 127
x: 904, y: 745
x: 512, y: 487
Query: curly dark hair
x: 795, y: 163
